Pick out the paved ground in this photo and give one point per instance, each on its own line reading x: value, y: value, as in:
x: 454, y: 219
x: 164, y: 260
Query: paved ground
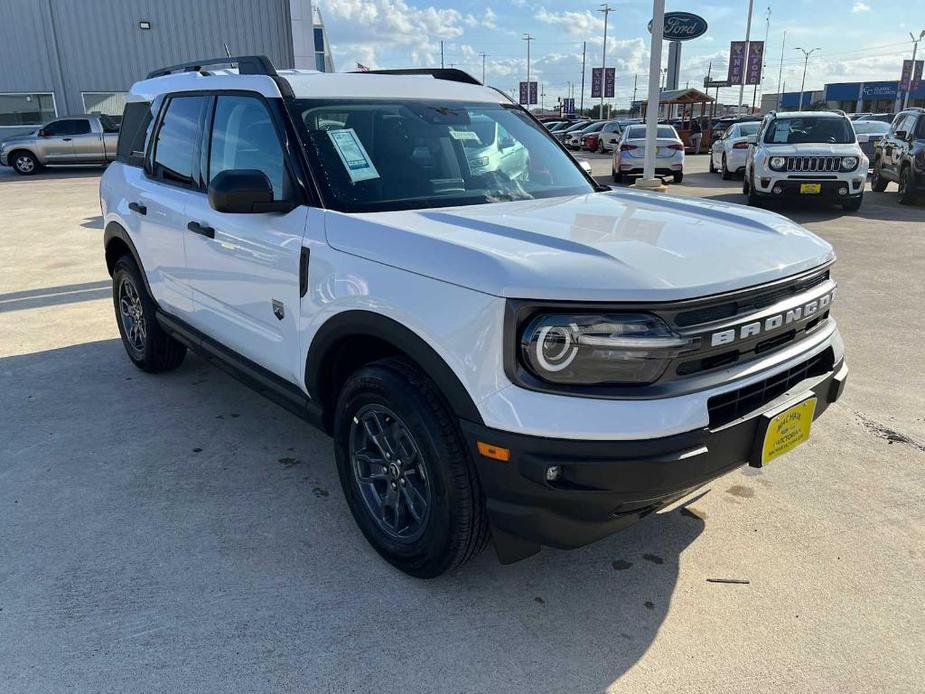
x: 180, y: 533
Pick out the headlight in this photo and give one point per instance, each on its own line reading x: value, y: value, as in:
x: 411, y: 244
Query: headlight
x: 849, y: 163
x: 777, y: 163
x: 478, y: 161
x: 599, y: 349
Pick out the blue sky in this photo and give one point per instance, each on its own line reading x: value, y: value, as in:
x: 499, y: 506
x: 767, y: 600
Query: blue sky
x: 859, y: 39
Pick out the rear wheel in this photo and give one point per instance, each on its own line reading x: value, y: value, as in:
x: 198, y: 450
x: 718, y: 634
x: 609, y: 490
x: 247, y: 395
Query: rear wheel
x: 712, y: 166
x: 405, y: 472
x: 147, y: 345
x: 907, y: 194
x: 877, y: 182
x: 24, y: 163
x: 678, y: 177
x: 727, y: 174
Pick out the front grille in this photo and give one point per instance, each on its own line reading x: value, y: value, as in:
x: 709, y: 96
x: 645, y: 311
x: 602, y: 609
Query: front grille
x: 813, y: 163
x: 730, y: 406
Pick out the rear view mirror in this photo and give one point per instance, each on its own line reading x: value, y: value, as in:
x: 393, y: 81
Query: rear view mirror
x: 244, y: 191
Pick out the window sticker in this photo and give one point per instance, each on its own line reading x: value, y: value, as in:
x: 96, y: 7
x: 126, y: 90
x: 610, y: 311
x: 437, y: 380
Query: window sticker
x: 353, y: 154
x: 464, y: 135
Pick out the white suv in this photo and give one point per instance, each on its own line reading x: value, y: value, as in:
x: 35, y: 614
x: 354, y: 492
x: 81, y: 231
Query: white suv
x: 806, y: 154
x: 526, y: 355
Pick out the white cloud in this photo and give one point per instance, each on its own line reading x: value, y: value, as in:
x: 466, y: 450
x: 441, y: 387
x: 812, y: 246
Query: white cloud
x: 859, y: 7
x: 582, y: 22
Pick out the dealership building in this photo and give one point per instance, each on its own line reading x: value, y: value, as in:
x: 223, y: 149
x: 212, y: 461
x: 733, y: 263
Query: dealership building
x: 883, y: 96
x: 62, y: 57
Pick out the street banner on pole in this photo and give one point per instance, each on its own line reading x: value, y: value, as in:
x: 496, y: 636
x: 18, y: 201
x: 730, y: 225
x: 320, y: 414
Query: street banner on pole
x: 916, y: 75
x: 596, y: 82
x: 568, y: 105
x: 533, y: 93
x: 736, y: 62
x: 524, y: 94
x: 610, y: 79
x: 755, y: 58
x: 906, y: 76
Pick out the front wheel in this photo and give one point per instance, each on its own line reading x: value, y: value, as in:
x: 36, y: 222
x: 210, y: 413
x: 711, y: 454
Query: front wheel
x: 147, y: 344
x: 24, y: 163
x: 853, y: 205
x: 678, y: 177
x: 727, y: 174
x: 907, y: 194
x: 751, y: 194
x: 405, y: 472
x: 877, y: 181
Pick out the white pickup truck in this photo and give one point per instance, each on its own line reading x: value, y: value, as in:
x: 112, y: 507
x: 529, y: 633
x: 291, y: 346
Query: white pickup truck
x: 73, y: 140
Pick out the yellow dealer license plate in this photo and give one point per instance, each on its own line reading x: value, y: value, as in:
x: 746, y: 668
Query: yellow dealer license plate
x: 786, y: 430
x: 812, y: 188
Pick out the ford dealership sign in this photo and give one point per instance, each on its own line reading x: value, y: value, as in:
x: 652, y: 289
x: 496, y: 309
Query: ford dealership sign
x: 682, y: 26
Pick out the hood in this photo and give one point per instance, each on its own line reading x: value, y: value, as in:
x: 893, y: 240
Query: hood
x: 21, y: 137
x: 613, y: 246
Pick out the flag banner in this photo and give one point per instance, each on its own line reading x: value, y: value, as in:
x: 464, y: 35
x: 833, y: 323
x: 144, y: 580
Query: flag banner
x: 906, y: 77
x: 524, y: 94
x: 755, y: 59
x: 533, y: 93
x: 597, y: 80
x: 916, y: 75
x: 610, y: 79
x: 736, y: 62
x: 568, y: 105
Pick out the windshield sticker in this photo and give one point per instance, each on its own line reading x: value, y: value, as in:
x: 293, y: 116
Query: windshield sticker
x: 464, y: 134
x: 353, y: 154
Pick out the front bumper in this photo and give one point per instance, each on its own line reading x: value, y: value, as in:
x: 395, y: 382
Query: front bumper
x: 775, y: 184
x: 608, y: 485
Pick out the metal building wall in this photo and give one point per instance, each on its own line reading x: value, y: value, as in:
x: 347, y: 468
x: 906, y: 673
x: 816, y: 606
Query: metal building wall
x: 74, y: 46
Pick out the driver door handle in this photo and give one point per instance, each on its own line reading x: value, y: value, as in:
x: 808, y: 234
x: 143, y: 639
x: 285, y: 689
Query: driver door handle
x: 138, y: 207
x: 66, y: 139
x: 198, y: 228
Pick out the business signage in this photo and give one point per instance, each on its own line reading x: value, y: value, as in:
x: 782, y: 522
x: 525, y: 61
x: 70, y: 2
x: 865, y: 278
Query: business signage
x: 528, y: 93
x: 736, y: 62
x: 682, y: 26
x: 916, y: 75
x: 880, y: 90
x: 610, y: 79
x: 713, y: 84
x: 597, y: 82
x: 755, y: 59
x: 906, y: 77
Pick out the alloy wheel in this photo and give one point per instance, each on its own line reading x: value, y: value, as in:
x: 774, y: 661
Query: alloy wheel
x: 131, y: 313
x: 390, y: 472
x: 25, y: 164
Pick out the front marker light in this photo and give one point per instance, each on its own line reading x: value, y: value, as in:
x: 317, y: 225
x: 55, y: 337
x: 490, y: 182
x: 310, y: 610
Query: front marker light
x: 777, y: 163
x: 599, y: 349
x: 849, y: 163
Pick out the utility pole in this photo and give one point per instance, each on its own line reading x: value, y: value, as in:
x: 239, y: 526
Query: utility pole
x: 915, y: 48
x: 542, y: 97
x: 441, y: 52
x: 805, y: 63
x: 483, y: 67
x: 605, y: 8
x: 584, y: 46
x: 764, y: 58
x: 635, y: 79
x: 780, y: 72
x: 528, y: 39
x: 748, y: 36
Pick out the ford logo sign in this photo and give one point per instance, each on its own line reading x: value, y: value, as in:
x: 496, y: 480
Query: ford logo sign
x: 682, y: 26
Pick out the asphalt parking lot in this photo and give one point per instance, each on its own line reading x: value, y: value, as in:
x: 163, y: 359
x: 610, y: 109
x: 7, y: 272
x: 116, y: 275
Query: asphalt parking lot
x: 181, y: 533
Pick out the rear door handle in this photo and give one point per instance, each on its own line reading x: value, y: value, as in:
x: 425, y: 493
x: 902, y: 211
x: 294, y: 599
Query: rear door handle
x: 138, y: 207
x: 198, y: 228
x: 66, y: 139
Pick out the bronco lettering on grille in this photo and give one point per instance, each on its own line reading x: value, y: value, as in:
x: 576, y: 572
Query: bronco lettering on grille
x: 746, y: 330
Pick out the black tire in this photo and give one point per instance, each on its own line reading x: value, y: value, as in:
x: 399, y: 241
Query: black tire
x: 600, y: 146
x: 24, y: 163
x: 907, y: 194
x: 877, y: 182
x: 453, y: 526
x: 147, y: 345
x: 854, y: 204
x: 678, y: 177
x: 727, y: 174
x: 712, y: 167
x: 617, y: 177
x: 754, y: 200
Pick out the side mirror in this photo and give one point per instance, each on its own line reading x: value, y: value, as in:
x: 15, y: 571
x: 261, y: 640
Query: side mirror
x: 752, y: 139
x: 901, y: 134
x: 42, y: 132
x: 244, y: 191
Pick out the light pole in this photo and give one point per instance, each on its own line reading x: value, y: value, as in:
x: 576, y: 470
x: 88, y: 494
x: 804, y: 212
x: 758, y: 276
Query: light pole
x: 483, y: 67
x: 605, y: 8
x: 648, y: 179
x: 528, y: 39
x: 915, y: 48
x: 780, y: 72
x: 806, y: 55
x: 748, y: 36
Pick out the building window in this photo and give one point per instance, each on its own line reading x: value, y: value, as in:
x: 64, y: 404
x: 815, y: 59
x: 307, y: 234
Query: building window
x: 319, y: 40
x: 26, y: 109
x: 109, y: 103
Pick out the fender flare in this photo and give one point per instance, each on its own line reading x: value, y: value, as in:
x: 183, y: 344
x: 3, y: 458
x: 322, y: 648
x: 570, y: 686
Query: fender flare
x: 360, y: 323
x: 114, y: 231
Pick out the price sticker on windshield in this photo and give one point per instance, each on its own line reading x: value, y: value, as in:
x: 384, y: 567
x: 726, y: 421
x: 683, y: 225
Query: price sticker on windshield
x: 353, y: 154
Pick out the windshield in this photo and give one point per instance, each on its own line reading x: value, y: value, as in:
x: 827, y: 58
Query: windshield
x: 800, y: 130
x: 870, y: 127
x: 375, y: 155
x: 746, y: 129
x: 638, y: 132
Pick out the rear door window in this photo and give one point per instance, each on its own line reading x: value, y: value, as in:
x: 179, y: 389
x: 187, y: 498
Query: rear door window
x: 177, y: 142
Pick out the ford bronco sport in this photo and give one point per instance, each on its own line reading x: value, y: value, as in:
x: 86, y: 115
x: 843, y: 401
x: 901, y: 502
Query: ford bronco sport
x: 499, y: 350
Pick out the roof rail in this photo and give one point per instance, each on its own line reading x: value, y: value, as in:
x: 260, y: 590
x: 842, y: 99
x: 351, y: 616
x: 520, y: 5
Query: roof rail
x: 246, y: 64
x: 441, y: 73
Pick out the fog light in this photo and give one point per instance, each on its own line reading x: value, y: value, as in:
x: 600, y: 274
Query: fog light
x: 765, y: 182
x: 778, y: 190
x: 553, y: 473
x: 842, y: 190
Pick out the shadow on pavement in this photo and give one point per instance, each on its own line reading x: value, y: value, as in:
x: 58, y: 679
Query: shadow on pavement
x: 159, y: 528
x: 7, y: 174
x: 55, y: 296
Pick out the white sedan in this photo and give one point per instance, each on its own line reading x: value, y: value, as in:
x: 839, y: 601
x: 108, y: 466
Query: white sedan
x: 728, y: 154
x: 630, y: 153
